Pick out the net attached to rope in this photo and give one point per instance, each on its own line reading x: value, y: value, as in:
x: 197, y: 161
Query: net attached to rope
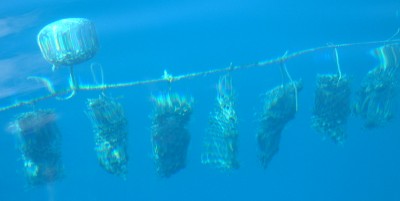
x: 169, y: 135
x: 221, y: 140
x: 110, y: 134
x: 332, y: 106
x: 40, y: 145
x: 280, y: 106
x: 378, y: 96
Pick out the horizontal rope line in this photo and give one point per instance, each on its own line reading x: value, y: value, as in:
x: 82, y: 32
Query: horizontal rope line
x: 169, y: 78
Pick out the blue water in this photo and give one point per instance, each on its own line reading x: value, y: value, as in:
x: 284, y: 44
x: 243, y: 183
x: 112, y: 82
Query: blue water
x: 141, y: 39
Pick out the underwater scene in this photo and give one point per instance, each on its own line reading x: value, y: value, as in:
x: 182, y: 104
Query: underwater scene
x: 200, y: 100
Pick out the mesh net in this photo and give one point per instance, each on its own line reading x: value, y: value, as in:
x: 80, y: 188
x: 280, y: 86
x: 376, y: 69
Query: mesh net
x: 170, y: 138
x: 111, y: 135
x: 332, y: 106
x: 280, y: 105
x: 221, y: 139
x: 377, y: 99
x: 40, y: 143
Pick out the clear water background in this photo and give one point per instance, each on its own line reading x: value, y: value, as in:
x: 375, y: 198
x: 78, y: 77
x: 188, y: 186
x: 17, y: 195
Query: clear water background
x: 139, y: 39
